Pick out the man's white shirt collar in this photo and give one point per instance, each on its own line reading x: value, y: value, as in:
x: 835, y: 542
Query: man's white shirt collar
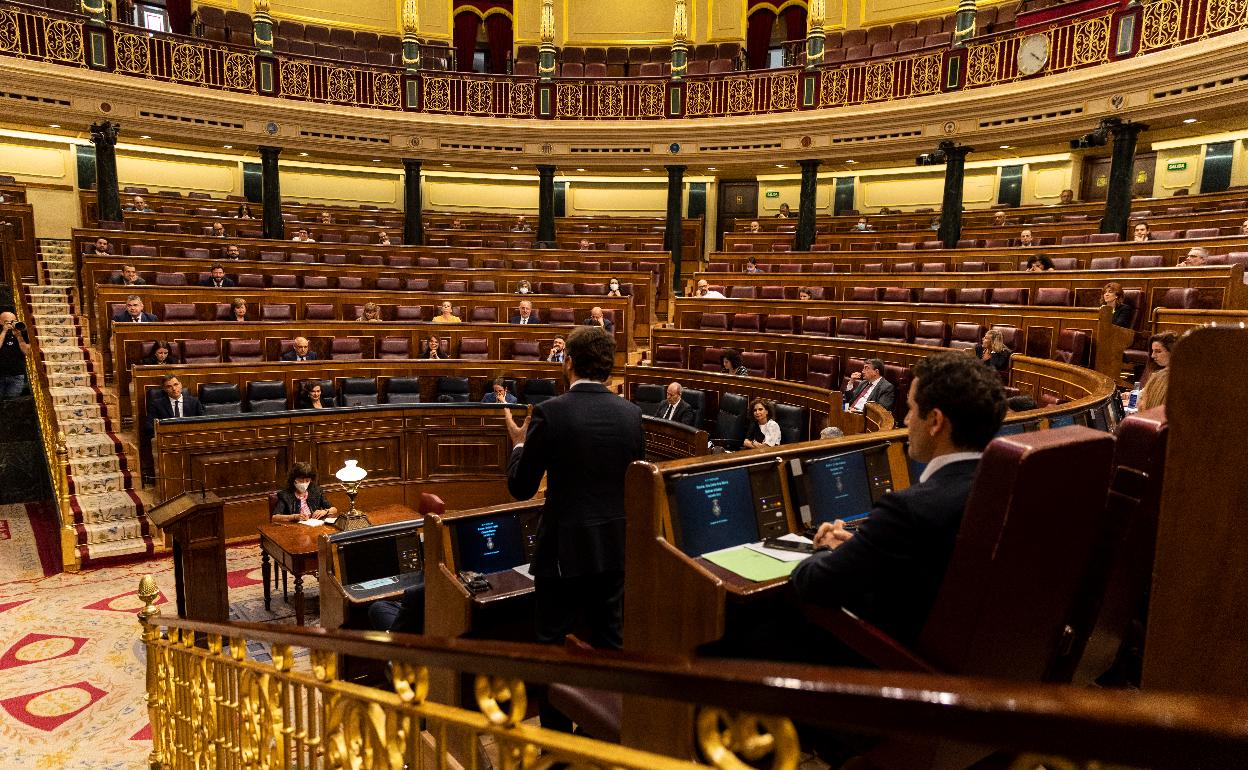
x: 939, y: 462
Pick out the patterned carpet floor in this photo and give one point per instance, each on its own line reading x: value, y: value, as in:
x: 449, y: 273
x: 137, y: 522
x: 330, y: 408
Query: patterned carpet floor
x: 71, y: 664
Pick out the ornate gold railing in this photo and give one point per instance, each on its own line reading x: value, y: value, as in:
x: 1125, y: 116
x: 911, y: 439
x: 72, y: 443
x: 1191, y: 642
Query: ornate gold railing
x: 212, y: 707
x: 35, y: 33
x: 1174, y: 22
x: 322, y: 80
x: 183, y: 60
x: 611, y: 98
x: 53, y: 438
x: 882, y: 80
x: 457, y: 93
x: 1072, y: 43
x: 742, y: 93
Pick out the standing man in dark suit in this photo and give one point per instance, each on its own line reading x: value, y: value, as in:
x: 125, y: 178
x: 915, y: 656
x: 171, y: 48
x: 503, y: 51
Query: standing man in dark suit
x: 583, y: 441
x: 217, y: 278
x: 676, y: 408
x: 889, y: 570
x: 526, y: 315
x: 134, y: 312
x: 869, y: 385
x: 300, y: 352
x: 173, y: 403
x: 596, y: 318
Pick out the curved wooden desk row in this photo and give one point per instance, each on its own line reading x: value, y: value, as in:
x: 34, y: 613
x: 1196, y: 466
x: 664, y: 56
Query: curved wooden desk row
x: 1040, y: 327
x: 570, y: 226
x: 195, y: 223
x: 1183, y: 321
x: 499, y: 341
x: 626, y: 243
x: 309, y: 213
x: 96, y: 272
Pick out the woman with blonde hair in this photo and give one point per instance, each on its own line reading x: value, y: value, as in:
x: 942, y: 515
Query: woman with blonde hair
x: 992, y: 350
x: 1154, y: 392
x: 370, y: 312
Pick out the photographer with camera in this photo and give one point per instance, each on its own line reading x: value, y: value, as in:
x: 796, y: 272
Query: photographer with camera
x: 14, y: 347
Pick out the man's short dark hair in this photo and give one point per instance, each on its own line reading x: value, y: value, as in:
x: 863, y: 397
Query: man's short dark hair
x: 966, y: 392
x: 733, y: 355
x: 167, y: 378
x: 877, y: 365
x: 592, y: 351
x: 217, y: 266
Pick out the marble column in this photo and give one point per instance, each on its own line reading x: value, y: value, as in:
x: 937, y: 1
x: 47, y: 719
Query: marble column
x: 413, y: 225
x: 104, y: 137
x: 951, y: 204
x: 271, y: 188
x: 806, y: 205
x: 546, y: 204
x: 1121, y: 179
x: 674, y: 234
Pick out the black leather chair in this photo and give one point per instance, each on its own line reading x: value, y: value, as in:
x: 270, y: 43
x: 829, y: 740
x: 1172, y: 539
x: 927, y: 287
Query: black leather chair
x: 792, y: 422
x: 538, y: 389
x: 220, y: 398
x: 696, y: 399
x: 453, y: 389
x: 403, y: 390
x: 650, y: 398
x: 266, y: 396
x: 359, y: 391
x: 730, y: 423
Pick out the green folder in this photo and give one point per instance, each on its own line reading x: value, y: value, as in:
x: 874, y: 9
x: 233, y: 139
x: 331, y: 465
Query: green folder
x: 750, y: 564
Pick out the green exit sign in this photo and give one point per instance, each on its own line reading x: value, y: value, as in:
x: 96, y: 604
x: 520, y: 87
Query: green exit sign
x: 1179, y: 165
x: 773, y: 193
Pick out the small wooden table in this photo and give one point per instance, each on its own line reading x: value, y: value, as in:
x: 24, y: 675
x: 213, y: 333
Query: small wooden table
x: 293, y: 547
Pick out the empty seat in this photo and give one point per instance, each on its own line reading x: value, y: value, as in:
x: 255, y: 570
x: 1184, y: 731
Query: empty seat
x: 934, y: 267
x: 730, y: 421
x: 483, y: 315
x: 170, y: 279
x: 904, y: 267
x: 1180, y: 298
x: 243, y: 351
x: 973, y: 267
x: 346, y: 349
x: 417, y: 284
x: 266, y: 396
x: 1105, y: 263
x: 779, y: 324
x: 867, y: 294
x: 318, y: 311
x: 474, y: 348
x: 823, y: 371
x: 1203, y: 232
x: 403, y: 390
x: 759, y: 364
x: 713, y: 321
x: 854, y: 328
x: 972, y: 296
x: 1071, y: 240
x: 220, y: 398
x: 1103, y: 238
x: 671, y: 356
x: 771, y: 292
x: 561, y: 315
x: 201, y: 352
x: 395, y: 347
x: 1009, y: 296
x: 966, y: 335
x: 179, y: 311
x: 817, y: 325
x: 1050, y: 295
x: 1072, y: 347
x: 895, y: 330
x: 1137, y: 261
x: 936, y: 295
x: 452, y: 389
x: 389, y: 283
x: 931, y: 333
x: 358, y: 391
x: 745, y: 322
x: 484, y: 286
x: 897, y: 294
x: 271, y: 312
x: 538, y: 389
x: 284, y: 281
x: 525, y: 350
x: 1065, y: 263
x: 873, y: 267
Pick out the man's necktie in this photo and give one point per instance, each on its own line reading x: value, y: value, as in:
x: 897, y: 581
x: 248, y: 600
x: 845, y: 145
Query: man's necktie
x: 177, y: 408
x: 671, y: 412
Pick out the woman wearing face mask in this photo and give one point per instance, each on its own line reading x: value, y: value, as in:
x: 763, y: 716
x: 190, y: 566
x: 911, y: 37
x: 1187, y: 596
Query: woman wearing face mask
x: 613, y: 288
x: 524, y: 288
x: 301, y: 499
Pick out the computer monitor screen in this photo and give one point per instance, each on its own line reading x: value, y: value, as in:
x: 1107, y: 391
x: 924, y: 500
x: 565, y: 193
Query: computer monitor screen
x: 714, y: 510
x: 1012, y: 428
x: 489, y: 544
x: 394, y: 551
x: 1062, y: 421
x: 837, y: 487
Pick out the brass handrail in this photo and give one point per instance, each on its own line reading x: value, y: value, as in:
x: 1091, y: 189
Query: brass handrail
x: 53, y: 439
x: 205, y: 698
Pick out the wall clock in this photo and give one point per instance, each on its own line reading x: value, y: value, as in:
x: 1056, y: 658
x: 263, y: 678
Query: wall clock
x: 1033, y: 54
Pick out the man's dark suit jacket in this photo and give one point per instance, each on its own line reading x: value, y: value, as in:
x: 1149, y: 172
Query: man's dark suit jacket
x: 160, y: 408
x: 607, y: 324
x: 884, y: 393
x: 889, y: 573
x: 291, y: 355
x: 684, y: 412
x: 124, y: 318
x: 225, y: 282
x: 583, y: 441
x: 533, y: 318
x: 120, y: 280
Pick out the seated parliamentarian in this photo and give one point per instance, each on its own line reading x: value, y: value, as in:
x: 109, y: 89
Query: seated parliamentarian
x: 139, y: 205
x: 992, y: 350
x: 134, y: 313
x: 1113, y: 297
x: 613, y: 288
x: 370, y: 313
x: 243, y: 212
x: 730, y: 363
x: 1243, y: 229
x: 101, y: 246
x: 524, y: 287
x: 751, y: 265
x: 521, y: 225
x: 863, y: 226
x: 596, y: 318
x: 433, y: 348
x: 889, y: 571
x: 705, y: 291
x: 498, y: 393
x: 171, y: 403
x: 162, y: 353
x: 310, y: 396
x: 1196, y: 257
x: 301, y: 499
x: 446, y: 316
x: 217, y: 278
x: 1025, y: 239
x: 1039, y: 263
x: 584, y: 245
x: 755, y: 227
x: 301, y: 350
x: 998, y: 219
x: 804, y: 294
x: 525, y: 315
x: 127, y: 277
x: 555, y: 356
x: 238, y: 310
x: 1141, y: 233
x: 785, y: 212
x: 675, y: 408
x: 869, y: 385
x: 218, y: 230
x: 1154, y: 392
x: 301, y: 235
x: 326, y: 219
x: 764, y: 431
x: 1066, y: 198
x: 232, y: 252
x: 384, y: 238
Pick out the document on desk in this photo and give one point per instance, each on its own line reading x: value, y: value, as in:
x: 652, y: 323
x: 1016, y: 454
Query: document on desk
x: 776, y: 553
x: 312, y: 522
x: 524, y: 569
x: 750, y: 564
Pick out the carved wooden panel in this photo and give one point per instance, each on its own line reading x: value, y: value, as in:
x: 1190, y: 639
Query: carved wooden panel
x: 462, y: 453
x: 381, y: 456
x: 241, y: 472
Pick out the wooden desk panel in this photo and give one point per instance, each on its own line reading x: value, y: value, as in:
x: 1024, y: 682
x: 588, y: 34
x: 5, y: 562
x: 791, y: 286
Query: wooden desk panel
x: 1183, y: 321
x: 20, y: 219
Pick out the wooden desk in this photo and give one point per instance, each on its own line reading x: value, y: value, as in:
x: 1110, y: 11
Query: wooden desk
x: 294, y: 548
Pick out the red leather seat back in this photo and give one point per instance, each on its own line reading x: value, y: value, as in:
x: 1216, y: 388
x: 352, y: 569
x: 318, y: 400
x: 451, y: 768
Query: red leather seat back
x: 474, y: 348
x: 346, y: 349
x: 672, y: 356
x: 1072, y: 347
x: 1052, y: 295
x: 931, y: 333
x: 745, y: 322
x: 714, y: 321
x: 966, y: 335
x: 855, y: 328
x: 823, y: 371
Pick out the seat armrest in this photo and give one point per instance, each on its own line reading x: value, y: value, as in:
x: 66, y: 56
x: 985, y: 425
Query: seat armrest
x: 866, y: 640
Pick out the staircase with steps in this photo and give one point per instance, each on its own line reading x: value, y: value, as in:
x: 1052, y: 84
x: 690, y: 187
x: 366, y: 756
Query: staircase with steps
x: 107, y: 511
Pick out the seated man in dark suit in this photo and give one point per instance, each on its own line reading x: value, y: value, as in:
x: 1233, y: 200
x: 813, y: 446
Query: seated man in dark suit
x: 300, y: 352
x: 102, y: 246
x: 526, y: 315
x: 127, y: 277
x: 676, y: 408
x: 498, y: 393
x: 405, y: 616
x: 171, y: 404
x: 217, y: 278
x: 869, y: 385
x: 596, y: 318
x: 134, y: 312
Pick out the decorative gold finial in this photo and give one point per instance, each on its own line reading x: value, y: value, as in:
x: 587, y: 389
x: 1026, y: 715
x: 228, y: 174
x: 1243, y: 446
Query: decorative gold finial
x: 680, y: 23
x: 260, y: 6
x: 148, y: 593
x: 411, y: 17
x: 548, y: 21
x: 816, y: 13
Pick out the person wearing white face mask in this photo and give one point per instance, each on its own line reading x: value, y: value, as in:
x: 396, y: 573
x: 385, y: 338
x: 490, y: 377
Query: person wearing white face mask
x: 524, y: 288
x: 302, y: 499
x: 613, y: 288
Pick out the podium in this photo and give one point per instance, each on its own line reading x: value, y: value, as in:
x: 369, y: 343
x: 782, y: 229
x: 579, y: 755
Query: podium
x: 196, y: 526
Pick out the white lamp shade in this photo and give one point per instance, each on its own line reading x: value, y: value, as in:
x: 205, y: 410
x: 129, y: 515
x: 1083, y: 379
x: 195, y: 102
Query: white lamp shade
x: 350, y: 472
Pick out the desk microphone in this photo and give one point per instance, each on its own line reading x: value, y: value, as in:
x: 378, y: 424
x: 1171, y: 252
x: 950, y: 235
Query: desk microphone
x: 203, y: 489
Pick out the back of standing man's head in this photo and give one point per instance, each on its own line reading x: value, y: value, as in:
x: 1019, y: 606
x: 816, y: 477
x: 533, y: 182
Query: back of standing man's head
x: 592, y: 352
x: 966, y: 392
